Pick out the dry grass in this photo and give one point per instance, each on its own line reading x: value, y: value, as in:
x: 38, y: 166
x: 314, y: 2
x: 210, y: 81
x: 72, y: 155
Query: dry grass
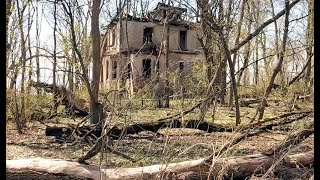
x: 176, y: 144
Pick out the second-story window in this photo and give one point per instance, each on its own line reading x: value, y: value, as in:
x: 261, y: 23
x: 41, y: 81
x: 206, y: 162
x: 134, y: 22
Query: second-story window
x: 147, y: 35
x: 113, y: 35
x: 183, y: 40
x: 146, y: 64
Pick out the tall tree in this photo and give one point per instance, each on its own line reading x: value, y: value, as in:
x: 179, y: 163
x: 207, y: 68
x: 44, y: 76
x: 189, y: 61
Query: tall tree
x: 92, y: 88
x: 95, y: 32
x: 215, y: 25
x: 166, y: 51
x: 234, y: 58
x: 20, y: 119
x: 310, y: 39
x: 256, y: 5
x: 8, y: 15
x: 37, y: 45
x: 54, y: 69
x: 247, y: 49
x: 279, y: 64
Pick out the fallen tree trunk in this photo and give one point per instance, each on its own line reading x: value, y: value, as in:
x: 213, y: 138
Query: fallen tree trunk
x: 267, y: 120
x: 72, y: 104
x: 292, y: 140
x: 238, y: 166
x: 301, y: 159
x: 116, y: 132
x: 246, y: 103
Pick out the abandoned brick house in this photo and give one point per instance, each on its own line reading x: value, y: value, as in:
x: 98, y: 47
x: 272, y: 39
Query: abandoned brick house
x: 142, y: 46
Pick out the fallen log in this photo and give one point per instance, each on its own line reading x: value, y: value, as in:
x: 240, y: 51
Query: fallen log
x: 267, y: 120
x: 292, y: 140
x: 301, y: 159
x: 283, y: 122
x: 237, y: 166
x: 72, y: 104
x: 246, y: 103
x: 116, y: 132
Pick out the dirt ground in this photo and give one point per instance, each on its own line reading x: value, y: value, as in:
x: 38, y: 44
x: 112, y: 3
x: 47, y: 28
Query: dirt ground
x: 174, y: 145
x: 154, y: 150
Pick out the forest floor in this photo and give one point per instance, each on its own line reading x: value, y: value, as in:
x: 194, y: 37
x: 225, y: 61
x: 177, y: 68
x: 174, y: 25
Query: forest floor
x: 175, y: 145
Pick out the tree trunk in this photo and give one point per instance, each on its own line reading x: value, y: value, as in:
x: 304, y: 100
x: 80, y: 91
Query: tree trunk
x: 8, y: 15
x: 96, y: 64
x: 95, y: 107
x: 166, y: 57
x: 264, y: 53
x: 233, y: 78
x: 37, y: 46
x: 247, y: 51
x: 279, y: 65
x: 54, y: 69
x: 214, y: 59
x: 235, y: 43
x: 22, y: 123
x: 310, y: 33
x: 240, y: 167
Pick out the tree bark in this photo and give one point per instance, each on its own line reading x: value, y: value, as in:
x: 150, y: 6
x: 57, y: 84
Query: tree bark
x: 54, y: 69
x: 21, y: 121
x: 8, y: 15
x: 95, y: 32
x: 166, y: 56
x: 310, y: 34
x: 37, y: 46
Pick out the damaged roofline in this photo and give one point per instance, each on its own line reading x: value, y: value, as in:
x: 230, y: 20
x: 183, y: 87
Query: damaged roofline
x: 129, y: 17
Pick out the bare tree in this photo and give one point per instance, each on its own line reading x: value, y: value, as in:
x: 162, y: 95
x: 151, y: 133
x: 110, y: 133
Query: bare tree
x: 95, y: 32
x: 166, y: 56
x: 8, y: 15
x: 234, y: 59
x: 20, y: 117
x: 213, y: 23
x: 310, y: 39
x: 54, y: 69
x: 247, y: 49
x: 279, y: 64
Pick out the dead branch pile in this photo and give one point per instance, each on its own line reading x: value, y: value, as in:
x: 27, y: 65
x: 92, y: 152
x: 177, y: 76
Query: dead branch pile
x: 212, y: 166
x: 72, y: 104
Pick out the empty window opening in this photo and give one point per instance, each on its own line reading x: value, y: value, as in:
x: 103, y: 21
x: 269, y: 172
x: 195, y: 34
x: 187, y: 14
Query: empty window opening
x: 181, y: 66
x: 147, y: 35
x: 164, y: 13
x: 178, y: 17
x: 113, y: 35
x: 183, y: 38
x: 114, y: 70
x: 129, y: 70
x: 146, y: 63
